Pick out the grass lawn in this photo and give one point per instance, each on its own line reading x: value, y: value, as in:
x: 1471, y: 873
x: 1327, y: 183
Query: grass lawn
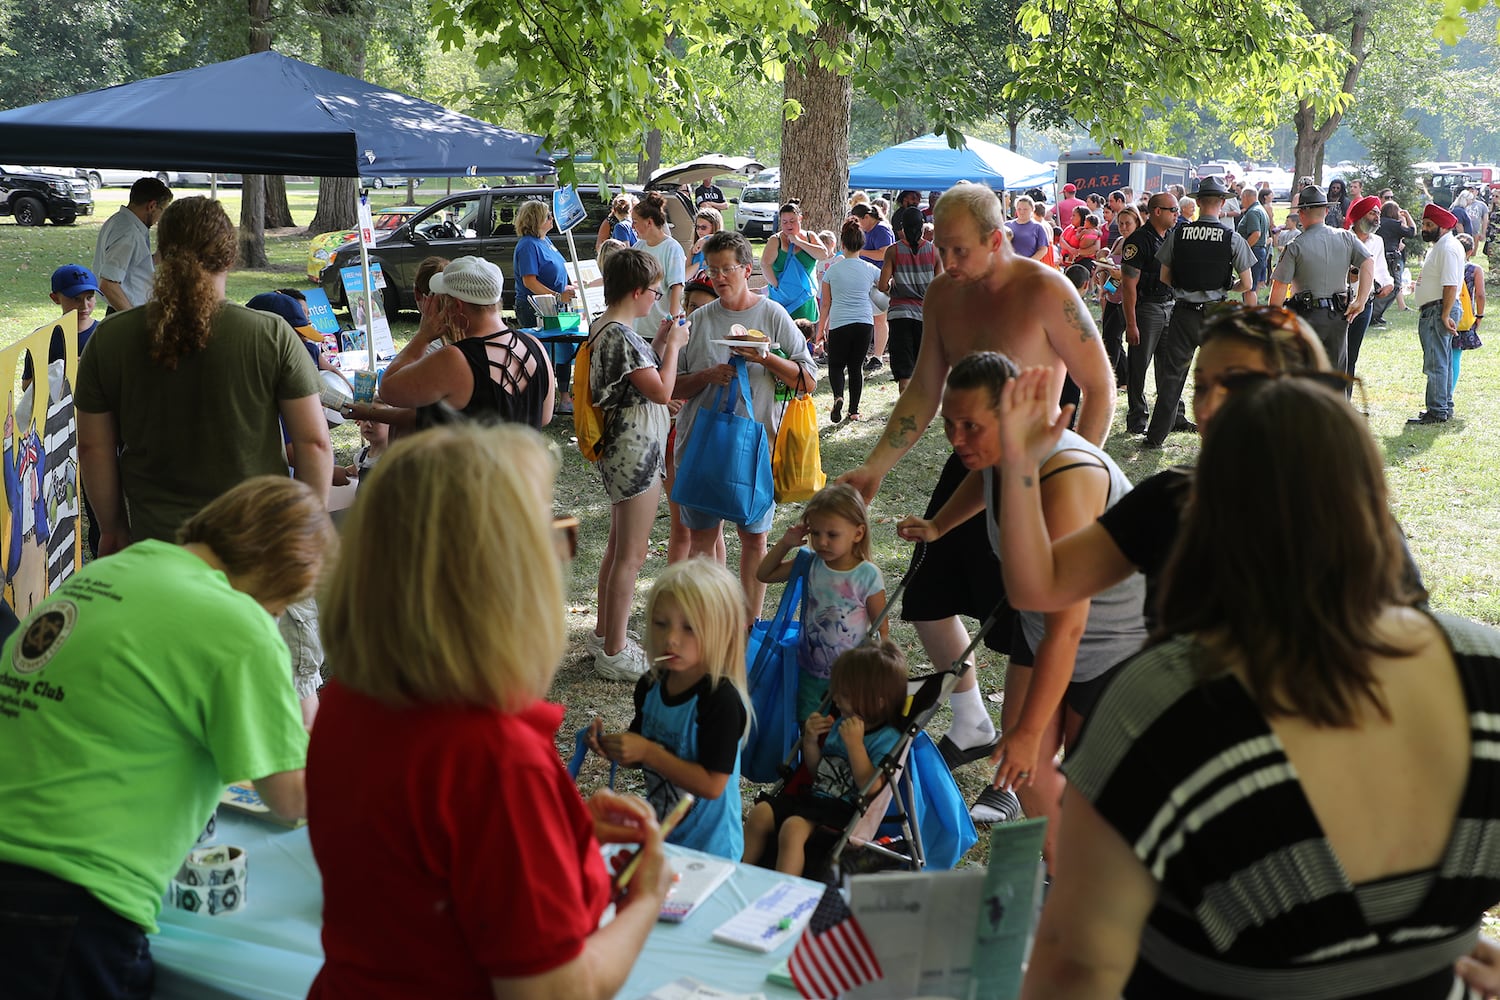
x: 1445, y: 490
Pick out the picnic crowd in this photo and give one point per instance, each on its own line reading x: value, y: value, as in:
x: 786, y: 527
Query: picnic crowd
x: 1280, y: 774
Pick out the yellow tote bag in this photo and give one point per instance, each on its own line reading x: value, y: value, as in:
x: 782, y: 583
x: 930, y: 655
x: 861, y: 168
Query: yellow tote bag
x: 796, y: 461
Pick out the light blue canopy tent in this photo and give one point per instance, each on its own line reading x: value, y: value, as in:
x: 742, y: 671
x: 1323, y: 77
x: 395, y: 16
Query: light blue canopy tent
x: 928, y: 163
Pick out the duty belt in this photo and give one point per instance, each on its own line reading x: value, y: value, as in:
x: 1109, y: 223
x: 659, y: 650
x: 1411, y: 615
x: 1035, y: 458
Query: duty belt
x: 1304, y: 302
x: 1158, y: 299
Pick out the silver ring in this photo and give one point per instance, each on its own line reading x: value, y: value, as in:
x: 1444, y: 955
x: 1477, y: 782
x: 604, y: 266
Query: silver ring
x: 1023, y: 774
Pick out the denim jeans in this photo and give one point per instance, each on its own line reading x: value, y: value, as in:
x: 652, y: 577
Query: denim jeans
x: 1437, y: 359
x: 57, y: 942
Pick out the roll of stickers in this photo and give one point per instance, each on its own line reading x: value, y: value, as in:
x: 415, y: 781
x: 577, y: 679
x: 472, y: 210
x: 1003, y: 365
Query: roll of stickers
x: 212, y: 881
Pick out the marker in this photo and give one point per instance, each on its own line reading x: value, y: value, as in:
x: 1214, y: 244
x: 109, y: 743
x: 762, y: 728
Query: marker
x: 667, y: 826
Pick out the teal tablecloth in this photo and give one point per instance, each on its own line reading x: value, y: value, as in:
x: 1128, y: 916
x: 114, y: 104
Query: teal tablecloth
x: 272, y: 949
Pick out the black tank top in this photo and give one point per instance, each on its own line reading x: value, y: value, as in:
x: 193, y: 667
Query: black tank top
x: 515, y: 398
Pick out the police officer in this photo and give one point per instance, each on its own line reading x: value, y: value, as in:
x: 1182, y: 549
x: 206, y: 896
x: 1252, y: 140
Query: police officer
x: 1318, y: 262
x: 1147, y: 302
x: 1202, y: 261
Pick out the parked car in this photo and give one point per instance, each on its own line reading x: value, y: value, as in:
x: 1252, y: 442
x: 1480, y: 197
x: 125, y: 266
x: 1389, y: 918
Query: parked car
x: 755, y: 212
x: 386, y: 182
x: 99, y: 177
x: 1445, y: 185
x: 32, y: 196
x: 323, y: 246
x: 478, y: 223
x: 680, y: 208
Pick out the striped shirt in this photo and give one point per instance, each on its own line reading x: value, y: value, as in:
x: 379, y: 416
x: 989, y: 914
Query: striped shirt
x: 913, y: 272
x: 1253, y: 901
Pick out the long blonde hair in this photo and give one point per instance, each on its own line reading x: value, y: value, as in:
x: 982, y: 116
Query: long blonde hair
x: 713, y: 602
x: 450, y: 588
x: 196, y: 241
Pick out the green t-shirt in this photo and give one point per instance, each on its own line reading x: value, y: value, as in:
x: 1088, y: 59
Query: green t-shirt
x: 128, y: 700
x: 189, y: 434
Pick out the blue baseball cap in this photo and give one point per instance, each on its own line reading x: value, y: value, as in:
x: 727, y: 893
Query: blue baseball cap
x: 73, y: 280
x: 287, y: 308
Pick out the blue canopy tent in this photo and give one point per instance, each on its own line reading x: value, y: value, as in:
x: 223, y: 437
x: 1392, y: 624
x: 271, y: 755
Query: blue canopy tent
x: 265, y: 114
x: 928, y: 163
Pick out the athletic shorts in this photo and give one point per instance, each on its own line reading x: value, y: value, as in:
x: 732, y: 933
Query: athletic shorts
x: 1081, y: 696
x: 959, y: 573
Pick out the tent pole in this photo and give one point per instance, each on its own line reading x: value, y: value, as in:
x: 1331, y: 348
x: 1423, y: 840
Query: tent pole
x: 365, y: 224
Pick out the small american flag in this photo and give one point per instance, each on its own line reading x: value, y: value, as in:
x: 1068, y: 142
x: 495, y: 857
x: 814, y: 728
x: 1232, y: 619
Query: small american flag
x: 833, y: 956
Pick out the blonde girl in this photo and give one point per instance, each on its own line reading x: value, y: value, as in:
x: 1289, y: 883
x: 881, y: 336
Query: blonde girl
x: 845, y: 591
x: 869, y: 691
x: 707, y: 222
x: 443, y: 672
x: 692, y: 709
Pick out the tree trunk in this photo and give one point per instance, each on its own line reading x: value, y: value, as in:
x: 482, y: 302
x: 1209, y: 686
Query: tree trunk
x: 650, y: 159
x: 337, y: 198
x: 278, y: 212
x: 1312, y: 135
x: 252, y: 235
x: 815, y: 145
x: 1015, y: 126
x: 252, y: 223
x: 343, y: 27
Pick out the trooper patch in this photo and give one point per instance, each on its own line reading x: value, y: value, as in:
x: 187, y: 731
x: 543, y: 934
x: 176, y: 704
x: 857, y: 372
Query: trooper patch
x: 42, y: 636
x: 1130, y: 249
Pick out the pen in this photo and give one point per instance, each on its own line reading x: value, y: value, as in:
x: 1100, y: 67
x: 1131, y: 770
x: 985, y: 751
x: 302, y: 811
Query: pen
x: 667, y: 825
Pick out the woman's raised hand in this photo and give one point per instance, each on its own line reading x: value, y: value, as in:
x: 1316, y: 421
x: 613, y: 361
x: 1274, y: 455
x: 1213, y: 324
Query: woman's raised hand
x: 1028, y: 429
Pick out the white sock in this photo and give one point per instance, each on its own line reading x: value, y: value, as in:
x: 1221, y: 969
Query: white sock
x: 971, y: 723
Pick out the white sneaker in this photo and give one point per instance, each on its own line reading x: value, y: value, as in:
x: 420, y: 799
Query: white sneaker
x: 594, y: 643
x: 626, y: 665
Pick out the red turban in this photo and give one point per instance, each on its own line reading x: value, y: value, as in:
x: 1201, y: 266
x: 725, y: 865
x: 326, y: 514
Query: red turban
x: 1444, y: 218
x: 1362, y: 208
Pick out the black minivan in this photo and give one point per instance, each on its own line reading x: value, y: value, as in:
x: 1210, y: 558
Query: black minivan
x: 477, y: 223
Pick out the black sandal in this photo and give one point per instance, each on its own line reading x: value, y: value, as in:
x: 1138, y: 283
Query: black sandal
x: 956, y: 756
x: 995, y: 805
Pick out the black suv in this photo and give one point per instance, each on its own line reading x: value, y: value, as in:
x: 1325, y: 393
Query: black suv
x: 477, y: 223
x: 33, y: 198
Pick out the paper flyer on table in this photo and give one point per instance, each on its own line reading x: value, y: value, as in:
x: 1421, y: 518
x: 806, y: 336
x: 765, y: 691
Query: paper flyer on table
x: 922, y: 927
x: 376, y: 323
x: 1008, y: 909
x: 776, y: 917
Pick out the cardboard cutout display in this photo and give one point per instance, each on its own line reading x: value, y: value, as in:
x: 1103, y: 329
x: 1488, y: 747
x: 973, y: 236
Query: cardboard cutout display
x: 40, y: 535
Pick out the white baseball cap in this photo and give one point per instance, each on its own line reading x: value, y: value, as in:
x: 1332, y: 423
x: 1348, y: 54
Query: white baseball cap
x: 471, y: 279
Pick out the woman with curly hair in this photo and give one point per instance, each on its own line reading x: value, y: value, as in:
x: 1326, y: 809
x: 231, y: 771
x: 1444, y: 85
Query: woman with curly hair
x: 185, y: 397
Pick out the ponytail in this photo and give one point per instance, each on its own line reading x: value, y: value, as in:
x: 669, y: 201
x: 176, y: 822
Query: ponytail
x: 910, y: 220
x: 196, y: 241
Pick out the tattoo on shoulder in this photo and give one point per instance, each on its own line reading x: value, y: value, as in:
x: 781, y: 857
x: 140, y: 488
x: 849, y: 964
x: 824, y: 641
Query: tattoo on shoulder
x: 1076, y: 321
x: 901, y: 435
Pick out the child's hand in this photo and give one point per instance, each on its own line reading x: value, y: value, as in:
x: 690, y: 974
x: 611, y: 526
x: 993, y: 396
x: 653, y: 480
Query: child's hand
x: 852, y: 730
x: 816, y: 725
x: 794, y: 534
x: 594, y: 735
x: 626, y: 748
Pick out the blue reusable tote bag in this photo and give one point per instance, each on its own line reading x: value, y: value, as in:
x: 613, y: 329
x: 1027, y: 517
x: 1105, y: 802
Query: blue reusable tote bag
x: 939, y: 812
x: 771, y: 653
x: 726, y: 469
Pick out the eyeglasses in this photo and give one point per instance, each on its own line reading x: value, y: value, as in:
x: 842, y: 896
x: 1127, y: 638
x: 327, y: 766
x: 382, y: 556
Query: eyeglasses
x: 565, y: 537
x: 720, y: 272
x: 1235, y: 381
x: 657, y: 292
x: 1167, y: 208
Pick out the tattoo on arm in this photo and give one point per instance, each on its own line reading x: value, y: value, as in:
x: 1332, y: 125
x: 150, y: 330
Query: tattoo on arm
x: 1070, y: 311
x: 1026, y: 481
x: 900, y: 435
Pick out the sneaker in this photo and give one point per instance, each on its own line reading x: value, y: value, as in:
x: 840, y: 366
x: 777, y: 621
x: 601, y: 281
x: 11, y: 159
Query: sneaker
x: 626, y: 665
x: 1185, y: 426
x: 594, y: 642
x: 1427, y: 417
x: 872, y: 365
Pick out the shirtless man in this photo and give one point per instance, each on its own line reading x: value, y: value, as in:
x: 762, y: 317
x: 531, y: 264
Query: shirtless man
x: 987, y: 299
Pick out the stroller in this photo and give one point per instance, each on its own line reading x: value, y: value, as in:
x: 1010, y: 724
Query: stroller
x: 917, y: 818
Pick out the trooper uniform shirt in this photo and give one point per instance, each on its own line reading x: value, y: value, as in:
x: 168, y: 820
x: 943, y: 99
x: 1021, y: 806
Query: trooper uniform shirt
x: 1138, y: 258
x: 1205, y: 257
x: 1319, y: 259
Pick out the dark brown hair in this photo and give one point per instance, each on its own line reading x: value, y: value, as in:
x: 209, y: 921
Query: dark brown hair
x: 627, y: 271
x: 986, y: 370
x: 851, y: 236
x: 1283, y: 338
x: 873, y: 679
x: 196, y: 242
x: 733, y: 241
x: 652, y: 207
x: 1288, y: 553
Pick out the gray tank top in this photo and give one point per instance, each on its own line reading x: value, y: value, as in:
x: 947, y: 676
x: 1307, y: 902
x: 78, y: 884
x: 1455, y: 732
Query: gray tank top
x: 1116, y: 627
